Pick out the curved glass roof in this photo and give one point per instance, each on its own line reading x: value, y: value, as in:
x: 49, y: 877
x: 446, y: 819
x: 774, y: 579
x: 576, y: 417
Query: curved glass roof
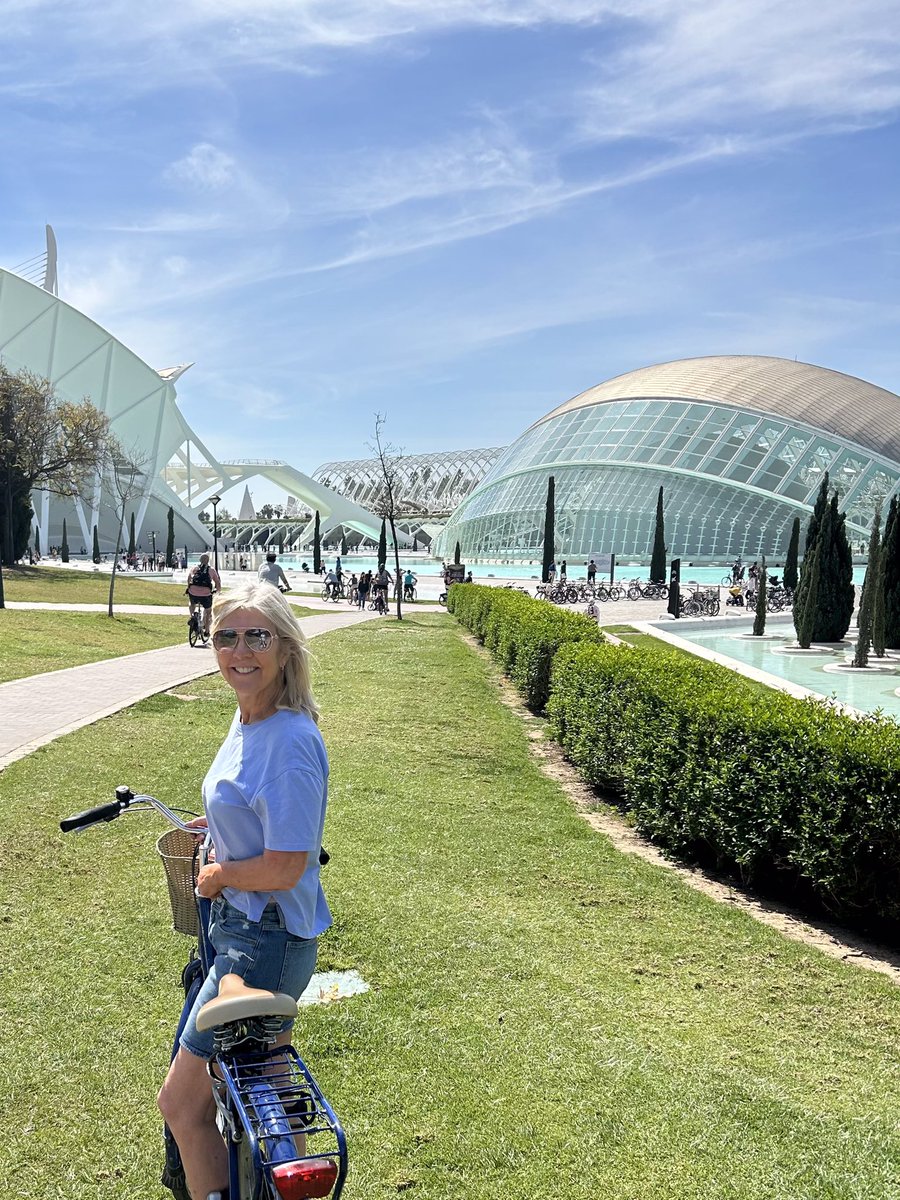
x: 735, y: 475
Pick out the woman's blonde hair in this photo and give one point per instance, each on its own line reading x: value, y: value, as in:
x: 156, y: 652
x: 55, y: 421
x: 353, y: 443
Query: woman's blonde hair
x: 296, y: 690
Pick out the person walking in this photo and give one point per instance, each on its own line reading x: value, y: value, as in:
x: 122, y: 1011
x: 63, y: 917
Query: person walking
x: 591, y: 571
x: 363, y: 587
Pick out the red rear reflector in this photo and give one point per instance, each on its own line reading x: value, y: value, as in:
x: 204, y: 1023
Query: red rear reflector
x: 304, y: 1180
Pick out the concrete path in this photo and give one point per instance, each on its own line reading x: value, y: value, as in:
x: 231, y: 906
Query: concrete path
x: 41, y: 708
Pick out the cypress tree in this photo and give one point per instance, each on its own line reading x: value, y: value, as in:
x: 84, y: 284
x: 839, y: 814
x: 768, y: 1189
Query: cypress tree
x: 96, y: 548
x: 658, y: 558
x: 837, y: 595
x: 759, y: 621
x: 170, y: 539
x: 382, y: 545
x: 317, y: 547
x: 281, y: 541
x: 131, y: 542
x: 890, y: 548
x: 549, y: 529
x: 457, y: 553
x: 415, y: 543
x: 812, y: 533
x: 64, y: 548
x: 790, y: 563
x: 804, y: 620
x: 835, y: 592
x: 37, y: 539
x: 867, y: 600
x: 344, y: 550
x: 878, y: 609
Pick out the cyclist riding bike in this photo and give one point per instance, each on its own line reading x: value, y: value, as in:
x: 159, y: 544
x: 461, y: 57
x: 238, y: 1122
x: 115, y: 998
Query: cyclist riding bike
x: 202, y: 584
x: 381, y: 583
x: 332, y: 584
x: 409, y: 586
x: 271, y: 572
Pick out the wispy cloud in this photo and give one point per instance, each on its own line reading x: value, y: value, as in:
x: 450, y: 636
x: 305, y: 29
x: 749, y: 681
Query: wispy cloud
x: 737, y: 63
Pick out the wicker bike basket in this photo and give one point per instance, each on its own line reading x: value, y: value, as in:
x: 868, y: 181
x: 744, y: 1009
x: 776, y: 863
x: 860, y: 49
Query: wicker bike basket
x: 179, y: 852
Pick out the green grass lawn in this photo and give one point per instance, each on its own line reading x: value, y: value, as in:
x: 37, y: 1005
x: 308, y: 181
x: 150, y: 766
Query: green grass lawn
x: 39, y: 640
x: 44, y: 640
x: 65, y: 585
x: 548, y: 1017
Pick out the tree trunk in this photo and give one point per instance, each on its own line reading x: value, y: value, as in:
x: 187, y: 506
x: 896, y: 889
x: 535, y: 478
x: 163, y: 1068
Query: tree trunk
x: 759, y: 621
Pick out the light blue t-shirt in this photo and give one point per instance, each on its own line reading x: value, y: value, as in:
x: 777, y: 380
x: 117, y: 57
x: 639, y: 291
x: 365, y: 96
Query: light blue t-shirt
x: 267, y: 789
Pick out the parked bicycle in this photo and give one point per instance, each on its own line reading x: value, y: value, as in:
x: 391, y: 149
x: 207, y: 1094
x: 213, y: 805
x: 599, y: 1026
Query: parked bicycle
x: 284, y: 1140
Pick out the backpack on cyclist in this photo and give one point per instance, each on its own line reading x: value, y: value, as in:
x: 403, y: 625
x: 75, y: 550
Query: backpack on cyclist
x: 201, y: 576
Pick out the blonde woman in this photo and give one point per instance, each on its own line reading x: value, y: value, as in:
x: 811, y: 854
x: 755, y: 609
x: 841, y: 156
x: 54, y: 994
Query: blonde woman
x: 264, y: 799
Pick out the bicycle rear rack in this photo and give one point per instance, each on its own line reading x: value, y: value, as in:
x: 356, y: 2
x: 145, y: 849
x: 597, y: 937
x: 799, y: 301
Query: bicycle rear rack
x: 278, y: 1099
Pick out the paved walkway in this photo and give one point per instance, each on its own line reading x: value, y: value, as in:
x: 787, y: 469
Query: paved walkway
x: 41, y: 708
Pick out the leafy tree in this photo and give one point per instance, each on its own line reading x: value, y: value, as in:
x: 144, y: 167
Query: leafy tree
x: 658, y: 558
x: 867, y: 600
x: 47, y: 443
x: 131, y: 539
x: 64, y: 548
x: 790, y: 563
x: 382, y: 543
x: 549, y: 530
x: 891, y: 551
x: 170, y: 538
x: 96, y: 550
x: 759, y: 621
x: 317, y: 547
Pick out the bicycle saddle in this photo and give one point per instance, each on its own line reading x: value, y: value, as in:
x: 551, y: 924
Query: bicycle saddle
x: 238, y: 1002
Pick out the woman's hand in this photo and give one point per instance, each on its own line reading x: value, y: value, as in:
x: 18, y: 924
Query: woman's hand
x: 209, y: 881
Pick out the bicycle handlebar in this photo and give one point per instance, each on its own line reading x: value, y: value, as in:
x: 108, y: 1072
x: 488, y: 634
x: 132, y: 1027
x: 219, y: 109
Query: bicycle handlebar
x: 125, y: 797
x: 91, y: 816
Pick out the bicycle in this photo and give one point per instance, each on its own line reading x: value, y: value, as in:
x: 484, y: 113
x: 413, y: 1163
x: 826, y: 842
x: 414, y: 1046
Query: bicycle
x: 269, y: 1106
x: 196, y: 631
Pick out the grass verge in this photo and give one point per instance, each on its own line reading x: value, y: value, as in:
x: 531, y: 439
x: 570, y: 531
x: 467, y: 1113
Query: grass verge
x: 40, y: 640
x: 547, y: 1016
x: 66, y: 585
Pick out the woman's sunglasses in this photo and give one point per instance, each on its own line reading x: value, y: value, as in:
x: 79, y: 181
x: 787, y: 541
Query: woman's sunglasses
x: 254, y: 639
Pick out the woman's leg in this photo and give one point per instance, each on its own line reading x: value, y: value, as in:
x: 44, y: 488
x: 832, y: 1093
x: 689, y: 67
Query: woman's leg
x: 186, y: 1102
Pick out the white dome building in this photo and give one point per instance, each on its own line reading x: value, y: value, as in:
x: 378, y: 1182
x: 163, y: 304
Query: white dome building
x: 738, y: 443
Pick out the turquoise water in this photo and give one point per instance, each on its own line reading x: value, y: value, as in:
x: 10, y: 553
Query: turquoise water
x: 423, y: 565
x: 865, y: 691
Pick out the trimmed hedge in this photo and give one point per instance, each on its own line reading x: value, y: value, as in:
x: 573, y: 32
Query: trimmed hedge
x: 521, y: 633
x: 780, y: 789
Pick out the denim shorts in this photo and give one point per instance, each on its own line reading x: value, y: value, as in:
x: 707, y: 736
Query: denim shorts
x: 262, y: 952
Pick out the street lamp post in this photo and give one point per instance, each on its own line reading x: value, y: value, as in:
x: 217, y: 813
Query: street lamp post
x: 214, y: 501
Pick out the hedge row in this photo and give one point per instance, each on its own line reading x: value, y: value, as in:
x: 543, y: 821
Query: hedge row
x: 521, y: 633
x: 780, y: 789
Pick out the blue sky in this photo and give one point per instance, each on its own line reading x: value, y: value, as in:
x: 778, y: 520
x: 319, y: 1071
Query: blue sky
x: 458, y: 213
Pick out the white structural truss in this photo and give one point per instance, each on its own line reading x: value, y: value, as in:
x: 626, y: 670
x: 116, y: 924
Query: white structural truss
x: 42, y: 333
x: 431, y: 485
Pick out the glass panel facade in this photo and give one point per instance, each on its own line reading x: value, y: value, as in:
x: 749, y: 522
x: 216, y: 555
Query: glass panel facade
x: 733, y: 482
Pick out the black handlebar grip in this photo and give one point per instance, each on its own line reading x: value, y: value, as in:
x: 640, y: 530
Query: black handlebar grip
x: 91, y: 816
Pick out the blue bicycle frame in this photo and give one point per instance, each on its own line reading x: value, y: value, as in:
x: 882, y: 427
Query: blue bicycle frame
x: 265, y: 1094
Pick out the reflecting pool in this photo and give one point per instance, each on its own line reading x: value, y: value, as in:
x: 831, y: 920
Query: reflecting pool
x: 863, y: 690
